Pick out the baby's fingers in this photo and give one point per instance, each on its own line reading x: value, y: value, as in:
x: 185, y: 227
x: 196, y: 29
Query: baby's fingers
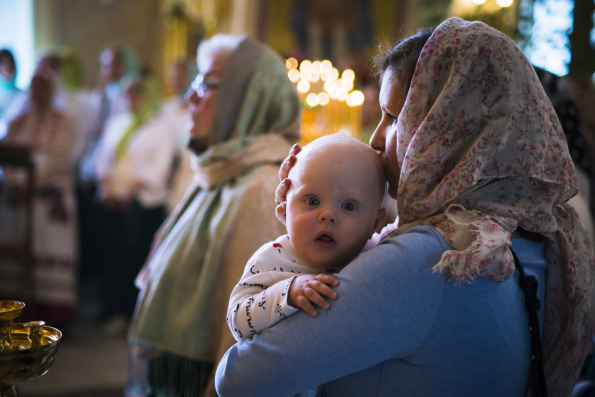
x: 317, y: 299
x: 303, y: 303
x: 321, y: 290
x: 327, y: 279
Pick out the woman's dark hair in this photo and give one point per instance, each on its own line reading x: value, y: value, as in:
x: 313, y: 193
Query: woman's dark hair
x: 402, y: 58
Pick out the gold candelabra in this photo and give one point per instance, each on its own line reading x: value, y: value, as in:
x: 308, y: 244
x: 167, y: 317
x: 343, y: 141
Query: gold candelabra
x: 26, y: 350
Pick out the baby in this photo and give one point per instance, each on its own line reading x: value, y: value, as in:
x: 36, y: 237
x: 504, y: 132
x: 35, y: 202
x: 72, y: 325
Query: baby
x: 334, y: 206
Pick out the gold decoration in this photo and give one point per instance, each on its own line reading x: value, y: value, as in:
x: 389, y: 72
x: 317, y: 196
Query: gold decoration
x: 26, y: 350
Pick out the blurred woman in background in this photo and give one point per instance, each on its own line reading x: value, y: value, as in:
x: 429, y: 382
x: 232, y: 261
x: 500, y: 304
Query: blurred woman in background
x: 49, y: 133
x: 8, y: 89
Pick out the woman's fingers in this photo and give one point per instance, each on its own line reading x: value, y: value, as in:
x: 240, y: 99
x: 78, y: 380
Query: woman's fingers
x: 295, y: 149
x: 281, y: 212
x: 289, y: 161
x: 281, y: 200
x: 281, y: 191
x: 286, y: 166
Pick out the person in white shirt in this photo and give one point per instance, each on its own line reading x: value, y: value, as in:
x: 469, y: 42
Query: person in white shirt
x: 117, y: 61
x: 134, y: 159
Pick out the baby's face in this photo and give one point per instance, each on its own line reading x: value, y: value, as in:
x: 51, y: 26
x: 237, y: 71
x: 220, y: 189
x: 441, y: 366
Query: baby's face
x: 333, y: 207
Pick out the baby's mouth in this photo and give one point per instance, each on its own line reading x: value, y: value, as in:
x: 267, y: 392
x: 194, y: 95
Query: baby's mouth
x: 325, y: 240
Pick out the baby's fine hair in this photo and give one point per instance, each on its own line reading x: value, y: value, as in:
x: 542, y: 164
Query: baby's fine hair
x: 325, y: 141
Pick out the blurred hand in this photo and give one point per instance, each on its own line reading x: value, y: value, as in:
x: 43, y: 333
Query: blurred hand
x: 108, y: 199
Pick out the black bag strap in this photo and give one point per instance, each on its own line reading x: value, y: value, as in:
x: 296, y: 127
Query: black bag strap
x: 532, y: 305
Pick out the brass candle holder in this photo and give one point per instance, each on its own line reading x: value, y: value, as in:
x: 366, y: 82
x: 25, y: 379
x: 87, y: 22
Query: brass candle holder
x: 26, y: 350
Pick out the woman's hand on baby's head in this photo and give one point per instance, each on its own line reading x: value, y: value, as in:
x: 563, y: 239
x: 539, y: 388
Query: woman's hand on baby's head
x: 283, y: 187
x: 288, y: 162
x: 312, y: 289
x: 281, y: 192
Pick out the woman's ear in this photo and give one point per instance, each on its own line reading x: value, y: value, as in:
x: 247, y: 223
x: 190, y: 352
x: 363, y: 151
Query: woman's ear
x: 379, y: 222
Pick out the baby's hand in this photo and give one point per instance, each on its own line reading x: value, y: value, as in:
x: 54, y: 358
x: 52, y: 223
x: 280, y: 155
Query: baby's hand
x: 310, y: 289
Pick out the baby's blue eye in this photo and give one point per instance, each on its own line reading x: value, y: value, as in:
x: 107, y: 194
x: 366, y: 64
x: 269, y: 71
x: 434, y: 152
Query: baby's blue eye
x: 348, y: 206
x: 313, y: 201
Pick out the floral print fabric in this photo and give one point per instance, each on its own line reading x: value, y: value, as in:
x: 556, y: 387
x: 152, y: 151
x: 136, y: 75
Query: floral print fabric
x: 482, y: 154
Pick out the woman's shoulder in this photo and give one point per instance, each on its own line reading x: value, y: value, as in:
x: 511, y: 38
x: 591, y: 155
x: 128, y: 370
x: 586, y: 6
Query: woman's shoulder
x: 418, y: 237
x: 407, y: 259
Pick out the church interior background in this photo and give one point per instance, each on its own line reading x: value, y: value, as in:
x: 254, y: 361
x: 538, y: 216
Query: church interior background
x: 323, y: 35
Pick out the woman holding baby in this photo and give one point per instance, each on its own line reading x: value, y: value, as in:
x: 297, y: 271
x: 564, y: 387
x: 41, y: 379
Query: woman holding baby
x: 478, y: 165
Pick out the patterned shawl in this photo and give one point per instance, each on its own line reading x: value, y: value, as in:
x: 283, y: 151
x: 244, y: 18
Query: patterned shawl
x: 226, y: 214
x: 478, y: 133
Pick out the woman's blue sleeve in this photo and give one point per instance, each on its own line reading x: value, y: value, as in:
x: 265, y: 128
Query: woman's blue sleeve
x: 387, y: 300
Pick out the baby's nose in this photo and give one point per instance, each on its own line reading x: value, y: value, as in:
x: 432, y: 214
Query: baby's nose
x: 327, y: 216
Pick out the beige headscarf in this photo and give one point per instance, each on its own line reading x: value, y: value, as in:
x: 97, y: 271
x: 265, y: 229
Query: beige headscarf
x: 482, y: 153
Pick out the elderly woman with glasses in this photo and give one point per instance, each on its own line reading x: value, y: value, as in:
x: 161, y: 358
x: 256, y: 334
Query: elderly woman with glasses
x: 244, y: 117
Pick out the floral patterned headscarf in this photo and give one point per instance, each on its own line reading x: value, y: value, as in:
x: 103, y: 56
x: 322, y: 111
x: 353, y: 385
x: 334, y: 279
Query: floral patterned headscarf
x: 482, y: 153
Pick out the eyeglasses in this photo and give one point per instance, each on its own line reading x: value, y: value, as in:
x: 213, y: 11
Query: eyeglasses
x: 201, y: 87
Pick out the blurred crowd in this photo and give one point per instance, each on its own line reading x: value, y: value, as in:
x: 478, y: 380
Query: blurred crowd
x: 110, y: 164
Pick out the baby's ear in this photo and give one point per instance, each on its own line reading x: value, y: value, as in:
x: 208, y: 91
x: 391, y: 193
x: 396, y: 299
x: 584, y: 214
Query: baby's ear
x: 379, y: 222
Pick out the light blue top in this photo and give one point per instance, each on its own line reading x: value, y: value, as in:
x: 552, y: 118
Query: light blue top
x: 397, y: 328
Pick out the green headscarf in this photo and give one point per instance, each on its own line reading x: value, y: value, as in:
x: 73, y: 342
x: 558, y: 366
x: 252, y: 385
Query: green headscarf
x: 255, y: 87
x: 71, y: 72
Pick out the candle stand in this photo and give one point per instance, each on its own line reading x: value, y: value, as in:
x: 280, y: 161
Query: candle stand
x: 27, y: 350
